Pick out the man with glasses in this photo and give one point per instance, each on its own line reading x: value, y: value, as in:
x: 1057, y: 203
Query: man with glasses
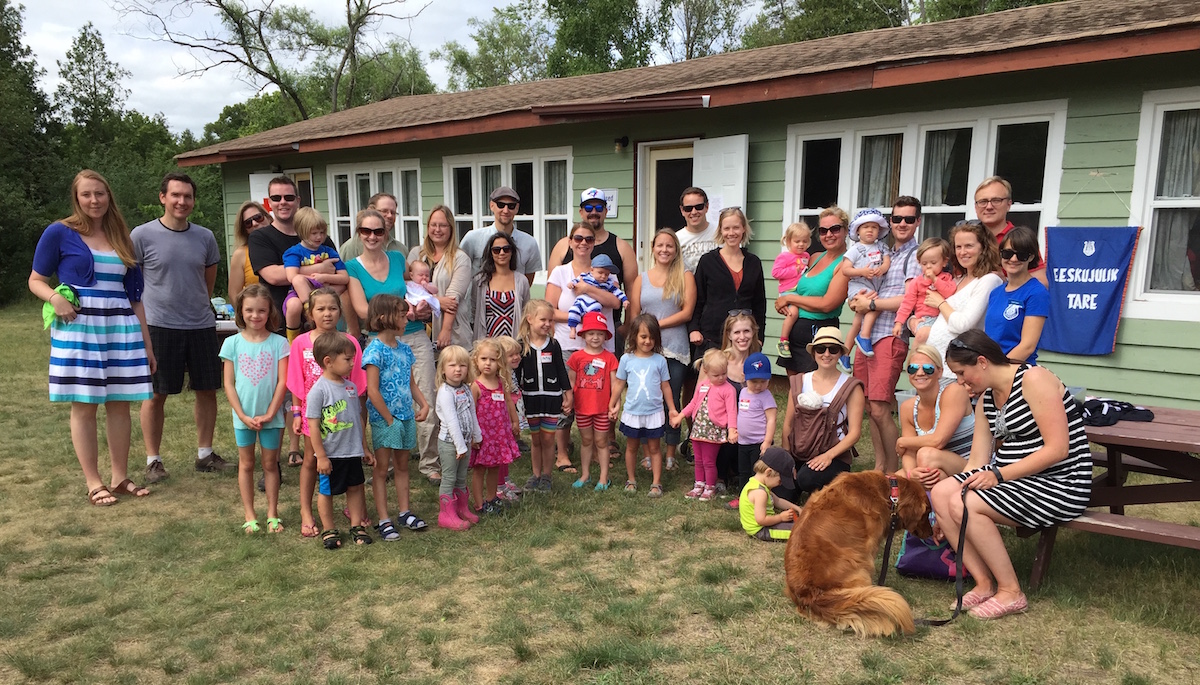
x: 993, y: 199
x: 385, y: 204
x: 698, y: 237
x: 880, y: 373
x: 504, y: 203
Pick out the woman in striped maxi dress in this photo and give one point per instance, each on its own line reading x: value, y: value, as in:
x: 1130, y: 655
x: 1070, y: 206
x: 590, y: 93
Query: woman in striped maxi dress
x: 100, y: 349
x: 1029, y: 466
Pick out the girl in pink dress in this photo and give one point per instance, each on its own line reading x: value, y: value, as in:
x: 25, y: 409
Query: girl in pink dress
x: 497, y: 414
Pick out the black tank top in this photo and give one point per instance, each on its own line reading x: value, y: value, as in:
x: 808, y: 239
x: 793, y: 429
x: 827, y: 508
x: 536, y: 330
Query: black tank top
x: 608, y: 247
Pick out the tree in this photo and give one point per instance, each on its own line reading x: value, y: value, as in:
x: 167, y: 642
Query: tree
x: 789, y: 21
x: 511, y: 47
x: 593, y: 36
x: 939, y: 10
x: 696, y: 28
x: 91, y: 92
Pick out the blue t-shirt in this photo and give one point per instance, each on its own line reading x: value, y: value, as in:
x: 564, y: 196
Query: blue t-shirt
x: 644, y: 376
x: 393, y: 284
x: 256, y: 374
x: 1006, y: 312
x: 298, y: 255
x: 395, y: 379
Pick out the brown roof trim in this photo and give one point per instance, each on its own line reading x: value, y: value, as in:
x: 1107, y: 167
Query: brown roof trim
x: 664, y: 103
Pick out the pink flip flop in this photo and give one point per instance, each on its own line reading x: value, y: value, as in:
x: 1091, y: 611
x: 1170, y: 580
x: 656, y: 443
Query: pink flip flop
x: 991, y: 609
x: 309, y: 530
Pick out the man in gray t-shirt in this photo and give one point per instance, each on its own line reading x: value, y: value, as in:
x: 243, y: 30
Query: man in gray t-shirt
x: 504, y: 203
x: 179, y: 264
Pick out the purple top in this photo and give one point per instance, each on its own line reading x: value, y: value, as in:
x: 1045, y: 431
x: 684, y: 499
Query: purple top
x: 752, y: 416
x: 61, y: 251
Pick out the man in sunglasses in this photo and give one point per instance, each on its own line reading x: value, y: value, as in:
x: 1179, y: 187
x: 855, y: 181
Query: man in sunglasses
x: 993, y: 199
x: 504, y: 203
x: 593, y: 208
x: 268, y: 243
x: 385, y: 204
x: 697, y: 237
x: 880, y: 372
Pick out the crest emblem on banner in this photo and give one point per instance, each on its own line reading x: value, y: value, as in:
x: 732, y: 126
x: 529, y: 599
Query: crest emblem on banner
x: 1089, y: 248
x: 1012, y: 311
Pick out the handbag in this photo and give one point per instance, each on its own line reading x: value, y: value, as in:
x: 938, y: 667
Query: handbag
x: 924, y: 558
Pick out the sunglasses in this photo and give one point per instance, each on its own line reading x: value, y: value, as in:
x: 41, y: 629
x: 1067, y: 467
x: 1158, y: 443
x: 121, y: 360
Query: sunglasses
x: 283, y: 198
x: 831, y: 229
x: 1009, y: 254
x: 740, y: 312
x: 589, y: 239
x: 694, y: 208
x: 250, y: 221
x: 377, y: 232
x: 897, y: 219
x: 505, y: 205
x: 827, y: 349
x: 501, y: 249
x: 589, y: 208
x: 928, y: 369
x: 960, y: 345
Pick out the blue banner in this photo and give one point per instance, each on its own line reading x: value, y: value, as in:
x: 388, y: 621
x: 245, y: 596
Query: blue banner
x: 1088, y: 269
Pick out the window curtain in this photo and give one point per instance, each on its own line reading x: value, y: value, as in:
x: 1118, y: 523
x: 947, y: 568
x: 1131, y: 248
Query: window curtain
x: 1177, y: 230
x: 939, y: 165
x: 880, y: 169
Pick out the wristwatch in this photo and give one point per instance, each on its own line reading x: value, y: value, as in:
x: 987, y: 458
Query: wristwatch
x: 871, y: 305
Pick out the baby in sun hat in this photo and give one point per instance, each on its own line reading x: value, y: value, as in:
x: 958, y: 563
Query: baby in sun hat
x: 869, y: 259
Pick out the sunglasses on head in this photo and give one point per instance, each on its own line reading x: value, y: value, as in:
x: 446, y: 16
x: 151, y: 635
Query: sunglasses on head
x: 824, y: 230
x: 1009, y: 254
x: 589, y: 208
x: 960, y: 345
x: 740, y: 312
x: 283, y: 198
x: 505, y: 205
x: 250, y: 221
x: 897, y: 219
x: 378, y: 232
x: 827, y: 349
x: 694, y: 208
x: 501, y: 249
x: 589, y: 239
x: 928, y: 369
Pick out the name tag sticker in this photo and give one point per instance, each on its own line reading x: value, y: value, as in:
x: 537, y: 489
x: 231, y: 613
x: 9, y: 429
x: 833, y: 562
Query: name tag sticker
x: 598, y: 363
x: 703, y: 390
x: 498, y: 396
x: 743, y: 405
x: 546, y: 357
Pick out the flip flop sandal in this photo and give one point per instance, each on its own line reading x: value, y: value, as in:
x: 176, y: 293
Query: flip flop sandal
x: 295, y: 458
x: 309, y: 530
x: 94, y: 497
x: 346, y: 513
x: 128, y: 488
x: 566, y: 468
x: 251, y: 527
x: 360, y: 535
x: 332, y: 539
x: 274, y: 526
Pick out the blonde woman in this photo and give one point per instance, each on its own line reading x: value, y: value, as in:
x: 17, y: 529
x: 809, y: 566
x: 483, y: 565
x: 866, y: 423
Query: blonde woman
x: 820, y: 292
x: 452, y: 276
x: 729, y: 280
x: 975, y: 261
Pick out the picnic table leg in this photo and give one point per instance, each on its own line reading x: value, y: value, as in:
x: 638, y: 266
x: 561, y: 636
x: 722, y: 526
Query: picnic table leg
x: 1041, y: 557
x: 1116, y: 475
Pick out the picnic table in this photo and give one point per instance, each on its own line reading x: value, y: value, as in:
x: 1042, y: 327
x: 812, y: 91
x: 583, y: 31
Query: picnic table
x: 1166, y: 446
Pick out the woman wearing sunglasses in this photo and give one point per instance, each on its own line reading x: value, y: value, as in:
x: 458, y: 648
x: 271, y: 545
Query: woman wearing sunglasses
x: 1017, y: 312
x: 820, y: 292
x: 936, y: 426
x: 975, y: 262
x: 500, y: 296
x: 251, y: 216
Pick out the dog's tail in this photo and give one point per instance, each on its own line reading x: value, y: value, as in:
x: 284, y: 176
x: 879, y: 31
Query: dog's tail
x: 870, y: 611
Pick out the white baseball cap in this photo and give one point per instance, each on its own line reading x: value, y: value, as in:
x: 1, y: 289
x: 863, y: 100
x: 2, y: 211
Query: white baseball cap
x: 591, y: 195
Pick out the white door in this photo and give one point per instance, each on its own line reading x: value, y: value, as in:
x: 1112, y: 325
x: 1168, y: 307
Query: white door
x: 719, y: 167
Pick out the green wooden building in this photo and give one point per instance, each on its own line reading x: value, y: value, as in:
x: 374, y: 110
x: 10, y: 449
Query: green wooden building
x: 1090, y: 107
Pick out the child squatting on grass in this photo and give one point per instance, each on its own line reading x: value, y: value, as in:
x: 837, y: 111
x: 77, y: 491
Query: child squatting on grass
x: 256, y: 363
x: 393, y: 392
x: 756, y: 504
x: 459, y: 435
x: 643, y: 370
x: 593, y: 371
x: 335, y: 430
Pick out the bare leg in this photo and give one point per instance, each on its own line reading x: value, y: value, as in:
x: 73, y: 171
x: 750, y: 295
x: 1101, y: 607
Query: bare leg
x: 117, y: 429
x: 383, y: 457
x: 491, y: 481
x: 270, y: 464
x: 855, y: 327
x: 151, y: 415
x: 563, y: 441
x: 246, y: 481
x: 205, y: 415
x: 946, y: 462
x: 477, y: 488
x: 631, y: 452
x: 884, y: 434
x: 600, y: 442
x: 868, y: 321
x: 325, y: 508
x: 352, y: 325
x: 400, y: 459
x: 656, y: 462
x: 587, y: 439
x: 356, y: 502
x: 292, y: 314
x: 83, y: 437
x: 308, y: 483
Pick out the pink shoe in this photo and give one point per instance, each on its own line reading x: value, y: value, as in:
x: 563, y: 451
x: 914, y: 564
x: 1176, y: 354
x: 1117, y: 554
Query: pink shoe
x: 695, y: 492
x: 708, y: 494
x: 462, y: 506
x: 447, y: 517
x: 990, y: 609
x: 972, y: 599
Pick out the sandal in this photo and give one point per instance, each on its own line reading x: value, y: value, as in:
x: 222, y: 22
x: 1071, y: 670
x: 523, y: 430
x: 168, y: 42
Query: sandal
x: 346, y: 513
x: 566, y: 468
x: 295, y: 458
x: 387, y: 532
x: 991, y: 609
x: 309, y: 530
x: 332, y: 539
x: 670, y: 464
x: 274, y: 526
x: 251, y: 527
x: 411, y: 521
x: 360, y: 535
x: 656, y: 491
x: 601, y: 486
x: 646, y: 463
x: 128, y: 487
x: 630, y: 486
x: 102, y: 497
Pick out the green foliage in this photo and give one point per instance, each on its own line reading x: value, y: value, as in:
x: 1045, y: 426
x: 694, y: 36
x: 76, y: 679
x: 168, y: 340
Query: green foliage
x: 511, y: 47
x: 939, y: 10
x: 696, y: 28
x: 594, y: 36
x: 91, y: 92
x: 789, y: 21
x: 260, y: 113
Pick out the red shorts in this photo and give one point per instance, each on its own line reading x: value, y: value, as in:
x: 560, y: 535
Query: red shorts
x: 879, y: 374
x: 599, y: 422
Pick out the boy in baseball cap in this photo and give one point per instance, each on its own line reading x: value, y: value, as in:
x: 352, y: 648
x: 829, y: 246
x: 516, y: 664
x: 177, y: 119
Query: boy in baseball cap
x: 756, y: 417
x: 600, y: 276
x: 757, y: 505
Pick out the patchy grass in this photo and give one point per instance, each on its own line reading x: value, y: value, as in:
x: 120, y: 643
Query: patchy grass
x: 570, y: 587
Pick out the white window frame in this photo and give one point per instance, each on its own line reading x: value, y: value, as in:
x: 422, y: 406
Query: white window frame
x: 1141, y: 302
x: 914, y: 125
x: 481, y: 215
x: 397, y: 167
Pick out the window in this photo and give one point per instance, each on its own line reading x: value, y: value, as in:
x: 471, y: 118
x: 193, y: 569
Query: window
x: 1166, y: 203
x: 352, y: 185
x: 541, y: 177
x: 939, y: 157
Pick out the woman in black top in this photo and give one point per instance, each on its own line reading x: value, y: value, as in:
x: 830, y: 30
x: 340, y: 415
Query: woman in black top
x: 728, y: 280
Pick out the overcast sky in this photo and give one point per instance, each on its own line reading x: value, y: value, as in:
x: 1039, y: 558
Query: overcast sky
x: 192, y: 102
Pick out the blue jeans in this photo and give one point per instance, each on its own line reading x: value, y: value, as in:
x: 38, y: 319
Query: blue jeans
x: 678, y: 371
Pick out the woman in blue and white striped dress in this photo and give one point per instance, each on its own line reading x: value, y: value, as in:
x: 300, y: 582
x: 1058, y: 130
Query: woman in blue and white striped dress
x: 1029, y: 466
x: 100, y: 349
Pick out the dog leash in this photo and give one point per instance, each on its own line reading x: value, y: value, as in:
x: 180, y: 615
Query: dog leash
x: 894, y: 495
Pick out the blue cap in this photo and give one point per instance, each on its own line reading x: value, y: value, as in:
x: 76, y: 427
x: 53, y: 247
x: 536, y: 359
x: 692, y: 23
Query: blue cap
x: 757, y: 367
x: 603, y: 261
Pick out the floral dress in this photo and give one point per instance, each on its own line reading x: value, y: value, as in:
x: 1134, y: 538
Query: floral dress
x: 498, y: 446
x: 703, y: 429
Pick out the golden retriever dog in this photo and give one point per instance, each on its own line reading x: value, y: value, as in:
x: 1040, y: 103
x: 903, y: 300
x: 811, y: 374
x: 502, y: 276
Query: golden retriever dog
x: 830, y: 558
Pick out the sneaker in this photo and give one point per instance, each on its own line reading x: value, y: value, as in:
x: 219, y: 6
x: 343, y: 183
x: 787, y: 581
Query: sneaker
x: 844, y: 363
x: 507, y: 495
x: 720, y: 489
x: 512, y: 487
x: 785, y: 349
x: 864, y: 345
x: 532, y: 484
x: 262, y: 480
x: 491, y: 507
x: 212, y: 463
x: 155, y: 472
x: 523, y: 447
x: 733, y: 503
x: 707, y: 494
x: 544, y: 483
x: 696, y: 491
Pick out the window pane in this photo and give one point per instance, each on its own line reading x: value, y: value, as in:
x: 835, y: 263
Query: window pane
x: 411, y: 203
x: 1175, y: 258
x: 463, y: 227
x: 412, y: 233
x: 879, y: 183
x: 341, y: 191
x: 556, y: 230
x: 524, y: 224
x: 362, y: 182
x: 939, y: 225
x: 489, y: 180
x: 1027, y: 219
x: 463, y: 203
x: 556, y: 187
x: 822, y: 161
x: 1021, y: 158
x: 522, y: 182
x: 343, y: 231
x: 1178, y: 165
x: 385, y: 183
x: 947, y: 161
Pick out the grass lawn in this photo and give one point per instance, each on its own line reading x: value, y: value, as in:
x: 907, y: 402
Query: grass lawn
x: 574, y: 586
